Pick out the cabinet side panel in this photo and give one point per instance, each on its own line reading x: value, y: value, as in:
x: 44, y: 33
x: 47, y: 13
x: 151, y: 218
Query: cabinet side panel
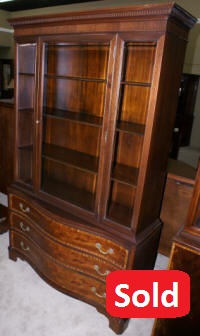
x: 165, y: 108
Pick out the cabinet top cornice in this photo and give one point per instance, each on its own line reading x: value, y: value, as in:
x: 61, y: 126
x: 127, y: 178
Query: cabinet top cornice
x: 125, y: 13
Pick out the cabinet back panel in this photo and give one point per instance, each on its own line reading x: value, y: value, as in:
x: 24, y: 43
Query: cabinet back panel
x: 123, y: 194
x: 139, y: 61
x: 121, y: 201
x: 26, y: 128
x: 74, y: 95
x: 69, y: 184
x: 69, y: 175
x: 79, y: 137
x: 25, y: 165
x: 27, y: 54
x: 86, y: 61
x: 134, y: 103
x: 128, y: 149
x: 26, y: 92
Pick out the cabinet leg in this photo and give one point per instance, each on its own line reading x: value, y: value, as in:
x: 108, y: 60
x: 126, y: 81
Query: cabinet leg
x: 118, y: 325
x: 12, y: 255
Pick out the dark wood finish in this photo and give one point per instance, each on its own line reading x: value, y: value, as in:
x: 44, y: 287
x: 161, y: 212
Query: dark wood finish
x: 96, y: 95
x: 176, y: 200
x: 6, y: 156
x: 6, y: 78
x: 186, y: 259
x: 184, y: 115
x: 185, y: 256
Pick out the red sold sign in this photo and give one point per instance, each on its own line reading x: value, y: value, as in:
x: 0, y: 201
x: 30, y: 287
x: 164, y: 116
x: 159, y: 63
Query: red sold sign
x: 152, y: 294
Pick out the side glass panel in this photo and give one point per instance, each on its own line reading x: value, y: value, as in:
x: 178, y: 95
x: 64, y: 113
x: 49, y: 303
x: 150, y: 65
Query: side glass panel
x: 132, y: 113
x: 73, y: 103
x: 26, y: 97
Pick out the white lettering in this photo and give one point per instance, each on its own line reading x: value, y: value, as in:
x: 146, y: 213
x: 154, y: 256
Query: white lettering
x: 155, y: 294
x: 122, y: 295
x: 173, y: 293
x: 135, y: 298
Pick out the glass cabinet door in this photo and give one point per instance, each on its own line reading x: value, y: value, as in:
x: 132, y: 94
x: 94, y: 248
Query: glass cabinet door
x: 135, y: 88
x: 73, y: 105
x: 25, y: 110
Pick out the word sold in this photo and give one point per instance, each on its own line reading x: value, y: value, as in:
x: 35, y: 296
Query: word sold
x: 152, y: 294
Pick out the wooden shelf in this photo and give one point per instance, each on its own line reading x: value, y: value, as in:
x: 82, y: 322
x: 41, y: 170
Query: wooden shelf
x: 125, y: 174
x: 76, y: 78
x: 70, y: 157
x: 80, y: 117
x: 26, y: 147
x: 69, y: 193
x: 26, y: 110
x: 136, y: 83
x: 31, y: 74
x: 120, y: 214
x: 125, y: 126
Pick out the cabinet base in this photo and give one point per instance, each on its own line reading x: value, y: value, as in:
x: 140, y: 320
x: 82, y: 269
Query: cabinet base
x: 117, y: 324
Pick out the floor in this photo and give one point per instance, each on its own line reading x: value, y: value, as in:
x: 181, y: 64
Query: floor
x: 30, y: 307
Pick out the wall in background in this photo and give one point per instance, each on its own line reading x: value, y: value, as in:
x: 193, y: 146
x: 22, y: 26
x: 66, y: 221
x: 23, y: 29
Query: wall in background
x: 6, y: 38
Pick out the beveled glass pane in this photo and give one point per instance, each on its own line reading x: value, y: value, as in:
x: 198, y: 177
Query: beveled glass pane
x: 83, y: 61
x: 27, y: 53
x: 68, y: 183
x: 134, y: 104
x: 25, y: 113
x: 86, y: 97
x: 121, y: 202
x: 73, y: 106
x: 139, y: 60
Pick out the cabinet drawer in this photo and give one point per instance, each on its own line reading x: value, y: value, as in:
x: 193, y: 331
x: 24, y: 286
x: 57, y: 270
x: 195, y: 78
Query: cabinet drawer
x: 67, y: 280
x: 26, y: 208
x: 69, y: 257
x: 64, y: 232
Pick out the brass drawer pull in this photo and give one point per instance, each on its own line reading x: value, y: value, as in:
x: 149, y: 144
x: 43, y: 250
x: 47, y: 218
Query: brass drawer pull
x: 23, y: 227
x: 25, y: 248
x: 109, y: 251
x: 96, y: 268
x: 94, y: 290
x: 25, y: 210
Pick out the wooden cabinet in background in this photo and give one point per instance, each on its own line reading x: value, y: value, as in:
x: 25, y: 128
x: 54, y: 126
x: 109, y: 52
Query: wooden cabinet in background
x: 6, y: 78
x: 185, y: 256
x: 176, y: 200
x: 96, y: 95
x: 185, y: 113
x: 6, y: 156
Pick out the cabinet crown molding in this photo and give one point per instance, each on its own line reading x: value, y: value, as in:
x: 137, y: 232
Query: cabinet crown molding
x: 125, y: 13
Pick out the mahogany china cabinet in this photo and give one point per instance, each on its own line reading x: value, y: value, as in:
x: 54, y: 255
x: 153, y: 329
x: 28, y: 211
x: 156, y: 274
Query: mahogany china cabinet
x: 96, y: 95
x: 185, y: 256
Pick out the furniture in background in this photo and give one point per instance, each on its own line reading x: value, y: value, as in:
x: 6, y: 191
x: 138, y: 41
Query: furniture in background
x: 96, y: 96
x: 6, y: 78
x: 185, y: 113
x: 177, y: 197
x: 185, y: 256
x: 6, y: 156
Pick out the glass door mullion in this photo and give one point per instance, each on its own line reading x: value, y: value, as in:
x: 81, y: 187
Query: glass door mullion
x: 111, y: 107
x: 38, y: 115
